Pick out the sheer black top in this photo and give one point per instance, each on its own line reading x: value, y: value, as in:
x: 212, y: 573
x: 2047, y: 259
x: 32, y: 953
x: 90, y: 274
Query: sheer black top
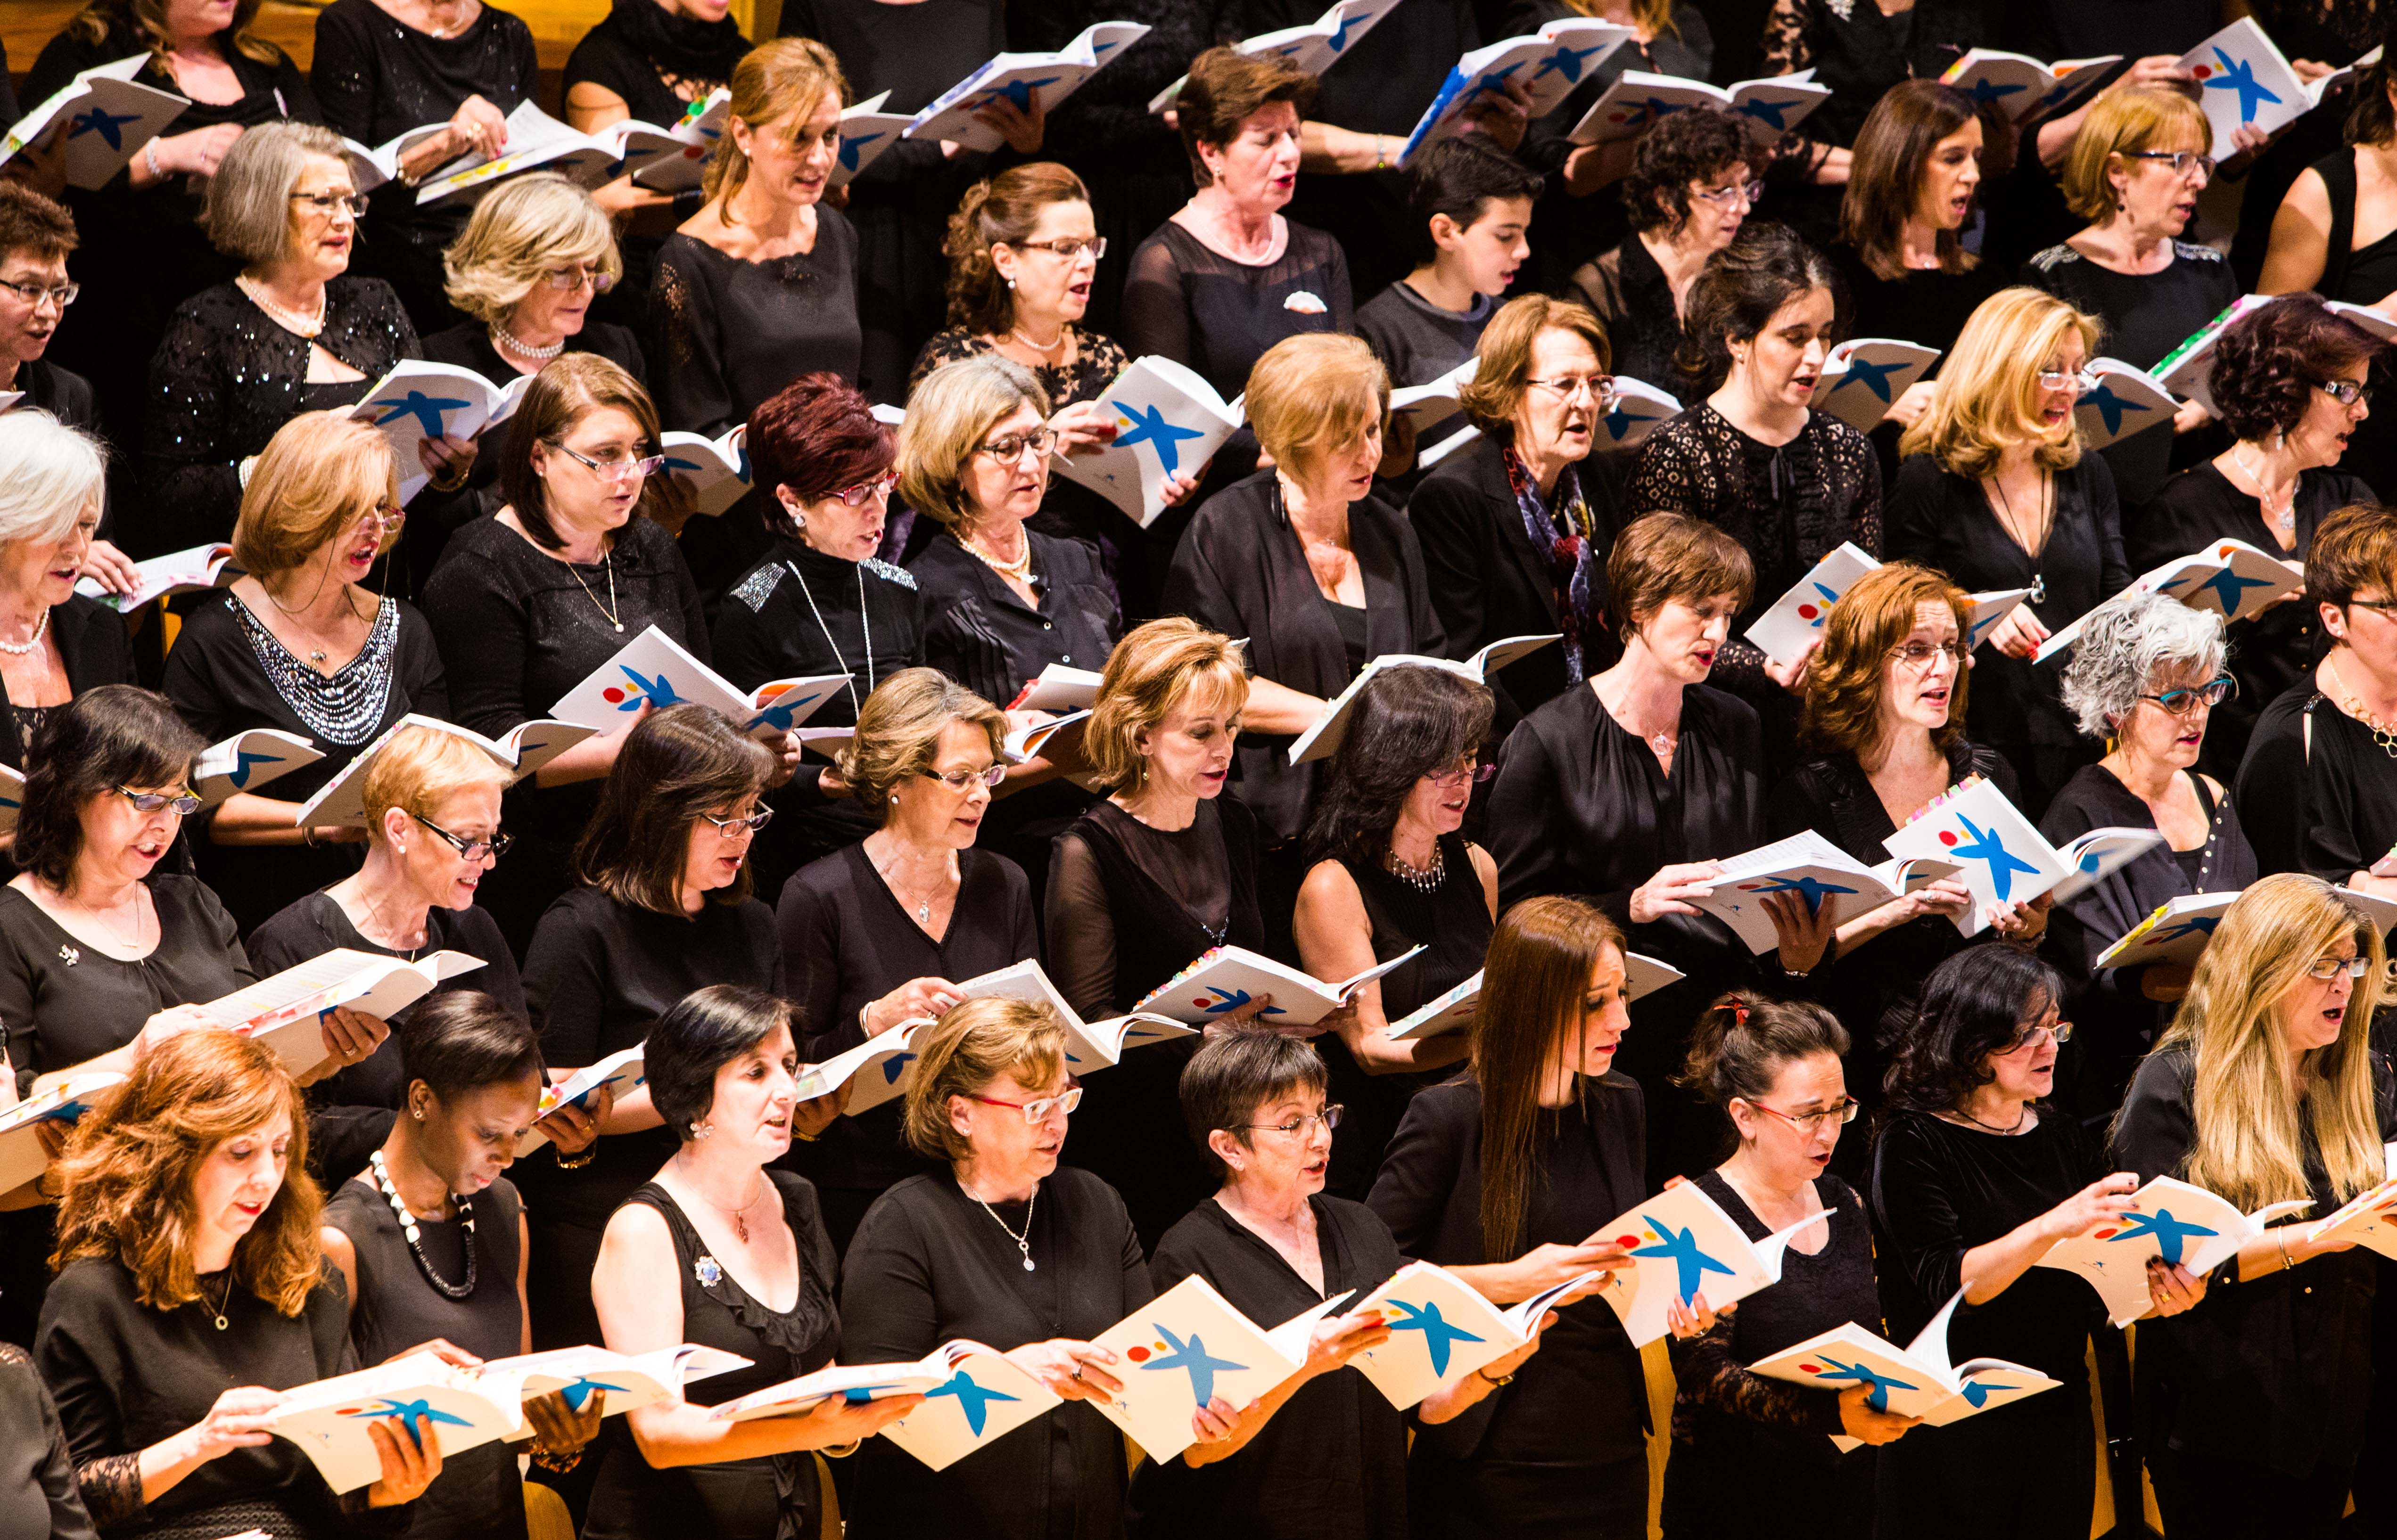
x: 1199, y: 307
x: 1129, y: 906
x: 730, y: 332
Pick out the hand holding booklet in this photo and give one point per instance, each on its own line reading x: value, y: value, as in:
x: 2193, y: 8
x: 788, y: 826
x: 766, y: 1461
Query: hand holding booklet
x: 620, y: 1072
x: 1017, y: 78
x: 2168, y: 1220
x: 1918, y: 1380
x: 198, y: 568
x: 973, y: 1395
x: 21, y: 1156
x: 419, y: 400
x: 2003, y: 859
x: 341, y: 803
x: 1686, y: 1246
x: 1548, y: 63
x: 1168, y: 422
x: 1867, y: 375
x: 654, y: 670
x: 285, y: 1010
x: 103, y: 118
x: 1187, y: 1346
x: 2230, y: 578
x: 1817, y: 870
x: 1441, y: 1329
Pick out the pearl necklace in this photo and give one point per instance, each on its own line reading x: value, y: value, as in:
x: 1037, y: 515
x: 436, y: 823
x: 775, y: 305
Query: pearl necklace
x: 504, y: 340
x: 415, y: 1239
x: 19, y: 649
x: 1044, y: 350
x: 1019, y: 570
x: 309, y: 327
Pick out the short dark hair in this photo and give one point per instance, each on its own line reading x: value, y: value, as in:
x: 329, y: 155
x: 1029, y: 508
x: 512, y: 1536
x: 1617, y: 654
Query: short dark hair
x: 1696, y: 146
x: 463, y: 1040
x: 2354, y: 550
x: 2269, y: 360
x: 117, y: 734
x: 1665, y: 556
x: 1974, y: 1004
x: 1224, y: 89
x: 1408, y: 723
x: 569, y: 388
x: 1233, y: 1075
x: 1742, y: 289
x: 679, y: 762
x: 699, y: 1034
x: 817, y: 435
x: 34, y: 225
x: 1461, y: 177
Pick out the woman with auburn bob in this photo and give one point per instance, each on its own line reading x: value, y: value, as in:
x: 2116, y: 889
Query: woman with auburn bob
x: 188, y: 1260
x: 2266, y: 1089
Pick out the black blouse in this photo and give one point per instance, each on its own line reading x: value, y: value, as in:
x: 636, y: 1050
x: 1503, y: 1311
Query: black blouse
x: 848, y: 942
x: 1332, y: 1462
x: 731, y: 332
x: 928, y: 1265
x: 980, y: 632
x: 92, y: 647
x: 1860, y: 52
x: 38, y: 1496
x: 2319, y: 792
x: 226, y: 376
x: 1927, y: 306
x: 1198, y: 307
x: 1241, y: 571
x: 2275, y: 1371
x: 228, y: 674
x: 1630, y: 294
x: 660, y: 62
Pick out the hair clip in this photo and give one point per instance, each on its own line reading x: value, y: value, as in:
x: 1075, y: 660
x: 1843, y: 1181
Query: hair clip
x: 1738, y: 1010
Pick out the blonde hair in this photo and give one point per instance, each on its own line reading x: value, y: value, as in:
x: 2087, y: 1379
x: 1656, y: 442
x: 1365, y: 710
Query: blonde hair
x: 947, y: 414
x: 773, y: 78
x: 899, y: 730
x: 1987, y: 396
x: 1648, y: 16
x: 517, y: 234
x: 965, y: 1051
x: 1314, y: 392
x: 1496, y: 391
x: 419, y: 769
x: 2250, y: 1145
x: 2124, y: 123
x: 1152, y: 671
x: 320, y: 471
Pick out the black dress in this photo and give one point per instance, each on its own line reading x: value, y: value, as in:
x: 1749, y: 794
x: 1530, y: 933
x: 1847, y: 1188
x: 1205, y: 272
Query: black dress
x: 1332, y: 1462
x: 2363, y: 276
x: 1926, y: 305
x: 478, y: 1493
x: 1741, y: 1442
x: 597, y: 975
x: 228, y: 674
x: 2269, y: 653
x: 126, y: 1376
x: 378, y: 78
x: 1562, y: 1450
x: 1127, y: 907
x: 1861, y: 53
x: 1581, y: 807
x: 1938, y: 1190
x: 1451, y: 923
x: 848, y: 942
x: 2317, y: 788
x: 38, y: 1496
x: 1944, y: 522
x: 771, y: 1498
x: 519, y: 629
x: 92, y: 648
x: 2262, y: 1387
x: 226, y: 376
x: 2116, y: 1023
x: 129, y: 239
x: 1218, y: 315
x: 929, y: 1265
x: 2147, y: 315
x: 350, y: 1111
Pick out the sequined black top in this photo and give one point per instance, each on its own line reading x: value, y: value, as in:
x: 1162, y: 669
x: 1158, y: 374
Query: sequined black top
x: 226, y: 376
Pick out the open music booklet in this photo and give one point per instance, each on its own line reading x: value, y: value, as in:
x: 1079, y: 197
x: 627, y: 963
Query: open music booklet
x: 1818, y: 872
x: 1228, y: 978
x: 2176, y: 933
x: 1867, y: 375
x: 865, y: 131
x: 1061, y: 688
x: 1452, y: 1010
x: 2021, y: 86
x: 1314, y: 45
x: 972, y: 1396
x: 700, y: 126
x: 2002, y: 858
x: 1442, y: 1330
x: 2230, y: 578
x: 1189, y: 1345
x: 712, y: 472
x: 283, y: 1010
x: 21, y: 1155
x: 1168, y: 422
x: 419, y: 399
x: 1639, y: 410
x: 1322, y: 739
x: 341, y: 803
x: 954, y: 115
x: 538, y: 143
x: 197, y: 568
x: 1918, y: 1380
x: 248, y: 761
x: 1783, y: 632
x: 2167, y: 1218
x: 623, y: 1071
x: 654, y: 670
x: 1686, y: 1245
x: 1549, y: 63
x: 2369, y: 1219
x: 2123, y: 401
x: 1091, y: 1046
x: 105, y: 116
x: 1642, y: 99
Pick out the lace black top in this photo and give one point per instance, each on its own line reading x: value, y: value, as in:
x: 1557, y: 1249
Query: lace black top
x: 1625, y: 289
x: 1096, y: 363
x: 770, y: 1498
x: 1199, y: 307
x: 226, y: 376
x: 38, y: 1496
x: 1790, y: 505
x: 730, y: 332
x: 1860, y: 51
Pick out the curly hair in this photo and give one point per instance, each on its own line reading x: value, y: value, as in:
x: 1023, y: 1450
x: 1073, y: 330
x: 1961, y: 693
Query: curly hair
x: 1847, y: 678
x: 1974, y: 1006
x: 1687, y: 147
x: 127, y: 1173
x: 1742, y: 289
x: 1409, y: 722
x: 2129, y: 642
x: 2268, y: 363
x: 1002, y: 210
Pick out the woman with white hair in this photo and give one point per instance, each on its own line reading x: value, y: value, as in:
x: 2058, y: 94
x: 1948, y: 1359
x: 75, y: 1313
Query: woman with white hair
x: 54, y: 644
x: 2143, y: 680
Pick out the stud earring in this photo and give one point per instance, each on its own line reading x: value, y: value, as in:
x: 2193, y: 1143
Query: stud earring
x: 1011, y: 283
x: 894, y: 799
x: 699, y: 1130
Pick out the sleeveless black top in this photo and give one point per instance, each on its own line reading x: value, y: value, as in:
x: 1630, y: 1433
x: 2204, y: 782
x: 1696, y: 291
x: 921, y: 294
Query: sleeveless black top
x: 2363, y: 277
x: 478, y: 1493
x: 773, y: 1499
x: 1452, y: 921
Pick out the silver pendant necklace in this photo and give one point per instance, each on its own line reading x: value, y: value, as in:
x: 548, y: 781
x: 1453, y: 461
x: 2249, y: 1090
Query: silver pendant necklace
x: 1024, y: 1241
x: 865, y: 622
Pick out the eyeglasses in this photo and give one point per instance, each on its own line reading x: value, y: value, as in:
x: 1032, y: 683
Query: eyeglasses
x: 329, y: 204
x: 616, y: 470
x: 964, y: 780
x: 1599, y: 387
x: 1302, y: 1125
x: 182, y: 802
x: 2061, y: 1032
x: 2074, y: 380
x: 385, y: 519
x: 732, y: 828
x: 2181, y: 702
x: 1014, y: 444
x: 61, y: 294
x: 2183, y: 162
x: 563, y: 279
x: 864, y: 491
x: 2327, y: 968
x: 1070, y: 248
x: 1458, y: 775
x: 1722, y: 197
x: 468, y: 850
x: 1918, y: 655
x: 1843, y: 1112
x: 1036, y: 1111
x: 2347, y: 392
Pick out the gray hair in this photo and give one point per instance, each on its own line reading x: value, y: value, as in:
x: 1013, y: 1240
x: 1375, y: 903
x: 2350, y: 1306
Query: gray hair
x: 49, y: 473
x: 248, y: 213
x: 2127, y: 644
x: 516, y: 235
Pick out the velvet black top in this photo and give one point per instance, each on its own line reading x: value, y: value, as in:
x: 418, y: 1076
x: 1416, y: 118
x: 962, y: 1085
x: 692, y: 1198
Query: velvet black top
x: 1241, y: 571
x: 1332, y: 1462
x: 729, y: 333
x: 92, y: 647
x: 847, y: 941
x: 928, y: 1265
x: 2319, y: 792
x: 1944, y: 521
x: 2276, y: 1370
x: 38, y: 1497
x: 1198, y: 307
x: 63, y: 1001
x: 980, y: 632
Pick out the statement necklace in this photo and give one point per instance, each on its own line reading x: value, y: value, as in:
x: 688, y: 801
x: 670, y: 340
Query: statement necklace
x: 2382, y: 734
x: 1424, y: 879
x: 309, y: 327
x: 19, y: 649
x: 505, y: 340
x: 1024, y: 1241
x: 415, y: 1239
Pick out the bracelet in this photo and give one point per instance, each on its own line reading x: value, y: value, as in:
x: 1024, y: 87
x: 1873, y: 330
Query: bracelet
x: 455, y: 482
x: 863, y: 1025
x: 1484, y: 1376
x: 2285, y: 1261
x: 560, y: 1464
x: 308, y: 835
x: 1381, y: 151
x: 841, y: 1451
x: 577, y: 1163
x: 150, y: 159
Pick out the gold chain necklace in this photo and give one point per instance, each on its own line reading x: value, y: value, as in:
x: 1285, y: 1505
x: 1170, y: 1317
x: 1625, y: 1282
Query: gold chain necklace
x: 2382, y: 734
x: 613, y: 611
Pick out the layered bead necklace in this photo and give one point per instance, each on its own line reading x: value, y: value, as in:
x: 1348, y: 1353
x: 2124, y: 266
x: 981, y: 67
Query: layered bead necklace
x: 415, y: 1239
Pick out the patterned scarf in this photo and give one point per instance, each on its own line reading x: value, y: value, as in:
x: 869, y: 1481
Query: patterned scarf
x: 1572, y: 546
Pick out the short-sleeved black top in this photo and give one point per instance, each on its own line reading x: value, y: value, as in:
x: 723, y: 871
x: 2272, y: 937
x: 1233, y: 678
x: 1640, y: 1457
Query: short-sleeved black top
x: 1199, y: 307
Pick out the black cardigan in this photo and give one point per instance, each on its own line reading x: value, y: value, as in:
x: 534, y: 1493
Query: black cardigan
x: 1489, y: 581
x: 90, y: 639
x: 1241, y: 571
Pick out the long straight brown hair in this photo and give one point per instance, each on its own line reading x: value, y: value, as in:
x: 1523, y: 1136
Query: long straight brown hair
x: 1535, y: 979
x: 1892, y: 152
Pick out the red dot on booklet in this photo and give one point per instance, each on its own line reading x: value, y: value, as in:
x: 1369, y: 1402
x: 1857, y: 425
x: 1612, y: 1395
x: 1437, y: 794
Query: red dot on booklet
x: 1807, y: 612
x: 1811, y: 1368
x: 1626, y: 1241
x: 1136, y: 1354
x: 611, y: 694
x: 1947, y: 837
x: 2105, y: 1235
x: 2202, y: 71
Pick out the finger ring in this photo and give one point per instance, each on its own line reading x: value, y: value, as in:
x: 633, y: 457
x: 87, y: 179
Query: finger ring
x: 1077, y: 1372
